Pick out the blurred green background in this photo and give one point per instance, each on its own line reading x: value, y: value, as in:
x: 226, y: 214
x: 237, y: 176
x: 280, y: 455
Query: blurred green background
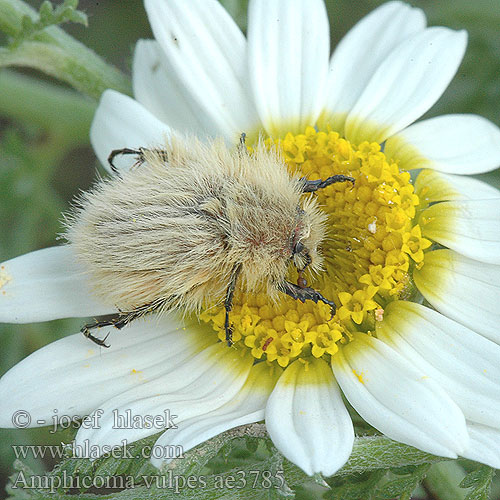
x: 45, y: 157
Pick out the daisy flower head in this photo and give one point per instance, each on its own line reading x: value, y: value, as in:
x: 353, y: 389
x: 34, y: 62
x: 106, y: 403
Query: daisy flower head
x: 411, y: 258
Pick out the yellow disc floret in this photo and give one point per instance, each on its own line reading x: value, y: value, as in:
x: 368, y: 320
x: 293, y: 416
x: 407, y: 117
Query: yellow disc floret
x: 372, y: 244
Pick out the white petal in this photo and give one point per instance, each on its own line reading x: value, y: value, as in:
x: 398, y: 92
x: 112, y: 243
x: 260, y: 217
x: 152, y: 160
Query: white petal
x: 73, y: 376
x: 196, y: 385
x: 288, y: 45
x: 352, y: 65
x: 406, y: 84
x: 432, y: 186
x: 464, y: 364
x: 246, y: 407
x: 307, y: 419
x: 484, y: 445
x: 398, y: 399
x: 121, y: 122
x: 162, y: 93
x: 470, y: 227
x: 456, y: 144
x: 463, y: 289
x: 206, y: 52
x: 44, y: 285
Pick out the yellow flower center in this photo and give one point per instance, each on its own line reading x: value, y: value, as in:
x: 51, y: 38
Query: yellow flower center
x: 372, y: 244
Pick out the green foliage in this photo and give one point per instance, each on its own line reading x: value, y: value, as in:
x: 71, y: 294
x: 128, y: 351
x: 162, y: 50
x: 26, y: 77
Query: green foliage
x: 354, y: 486
x: 403, y: 486
x: 382, y: 484
x: 198, y: 475
x: 132, y: 462
x: 479, y: 481
x: 38, y: 42
x: 48, y: 16
x: 242, y: 462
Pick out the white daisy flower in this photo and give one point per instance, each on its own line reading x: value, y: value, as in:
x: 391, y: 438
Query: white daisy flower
x: 413, y: 266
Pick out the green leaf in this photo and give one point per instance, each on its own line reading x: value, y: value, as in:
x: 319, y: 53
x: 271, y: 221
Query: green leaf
x: 43, y: 45
x: 47, y: 16
x: 380, y: 452
x: 443, y: 480
x: 402, y: 487
x: 377, y: 485
x: 248, y: 449
x: 132, y: 461
x: 262, y: 479
x: 58, y: 62
x: 77, y: 16
x: 58, y: 111
x: 252, y: 445
x: 197, y: 459
x: 480, y: 482
x: 46, y: 11
x: 354, y: 487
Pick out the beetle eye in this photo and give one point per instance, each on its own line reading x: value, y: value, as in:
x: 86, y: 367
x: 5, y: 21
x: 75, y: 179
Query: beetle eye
x: 298, y: 248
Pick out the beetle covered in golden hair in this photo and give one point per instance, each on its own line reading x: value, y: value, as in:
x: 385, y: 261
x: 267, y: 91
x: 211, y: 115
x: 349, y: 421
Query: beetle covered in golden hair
x: 191, y: 222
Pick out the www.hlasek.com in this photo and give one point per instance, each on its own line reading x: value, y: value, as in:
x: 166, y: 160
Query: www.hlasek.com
x: 94, y: 451
x: 256, y: 479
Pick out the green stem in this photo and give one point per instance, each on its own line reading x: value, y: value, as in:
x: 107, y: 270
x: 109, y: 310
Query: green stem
x: 64, y: 112
x: 58, y: 54
x: 443, y: 481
